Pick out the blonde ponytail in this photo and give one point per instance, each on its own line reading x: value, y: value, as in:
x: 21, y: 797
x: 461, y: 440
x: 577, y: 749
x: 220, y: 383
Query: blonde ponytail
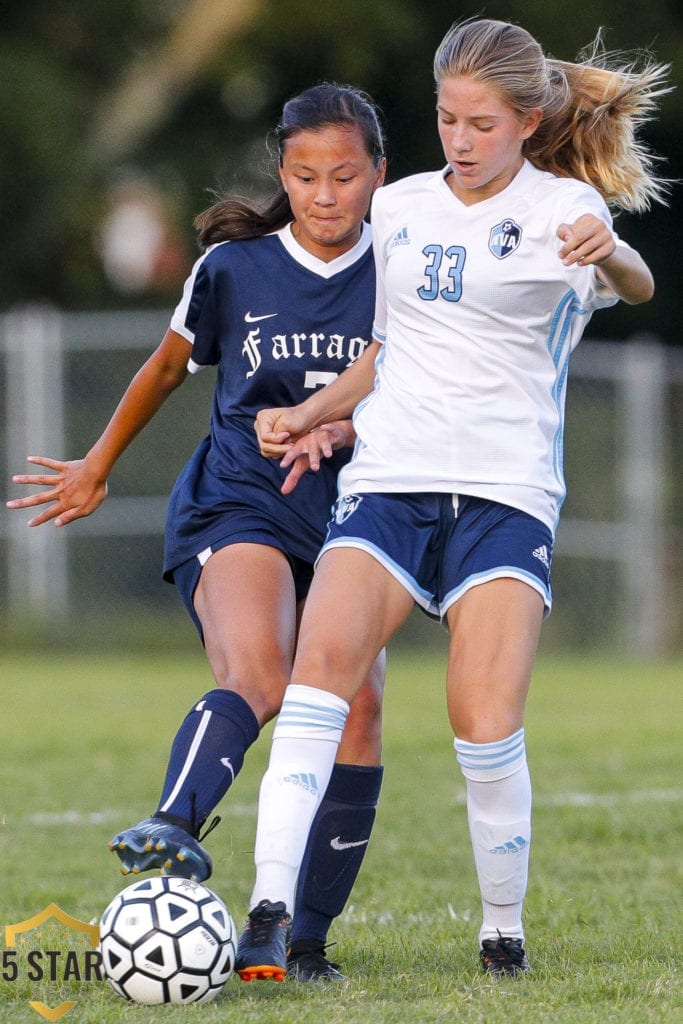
x: 594, y: 135
x: 592, y: 109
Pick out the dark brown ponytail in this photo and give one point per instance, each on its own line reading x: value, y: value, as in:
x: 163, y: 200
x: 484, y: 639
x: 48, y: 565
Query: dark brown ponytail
x: 235, y: 218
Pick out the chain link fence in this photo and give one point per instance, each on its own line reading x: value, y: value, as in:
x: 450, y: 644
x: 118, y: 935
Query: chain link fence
x: 617, y: 567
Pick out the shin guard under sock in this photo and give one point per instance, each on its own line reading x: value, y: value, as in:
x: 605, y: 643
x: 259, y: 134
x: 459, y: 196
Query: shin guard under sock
x: 206, y: 756
x: 499, y: 814
x: 334, y: 853
x: 305, y: 741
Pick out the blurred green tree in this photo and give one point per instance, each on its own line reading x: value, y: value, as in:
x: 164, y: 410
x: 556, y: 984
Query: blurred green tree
x: 183, y: 94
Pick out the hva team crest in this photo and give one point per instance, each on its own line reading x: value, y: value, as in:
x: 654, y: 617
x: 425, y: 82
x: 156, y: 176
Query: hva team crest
x: 505, y: 238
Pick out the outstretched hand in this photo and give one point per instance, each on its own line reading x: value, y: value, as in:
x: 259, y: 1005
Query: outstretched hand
x: 587, y: 241
x: 74, y: 489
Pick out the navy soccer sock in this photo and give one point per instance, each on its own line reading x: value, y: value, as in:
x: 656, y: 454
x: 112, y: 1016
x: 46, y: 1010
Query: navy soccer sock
x: 336, y: 846
x: 206, y: 755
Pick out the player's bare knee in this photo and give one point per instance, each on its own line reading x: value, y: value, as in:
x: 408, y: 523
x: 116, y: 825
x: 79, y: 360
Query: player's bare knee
x: 366, y: 706
x: 480, y: 727
x: 362, y: 739
x: 263, y: 692
x: 336, y: 665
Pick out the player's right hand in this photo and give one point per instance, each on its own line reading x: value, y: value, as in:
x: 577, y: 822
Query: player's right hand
x: 72, y: 486
x: 278, y: 429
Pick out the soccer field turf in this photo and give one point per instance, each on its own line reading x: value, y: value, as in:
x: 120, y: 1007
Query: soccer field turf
x: 84, y: 742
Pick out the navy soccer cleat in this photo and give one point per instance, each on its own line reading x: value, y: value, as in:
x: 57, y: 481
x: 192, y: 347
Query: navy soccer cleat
x: 262, y: 948
x: 311, y: 964
x: 155, y: 843
x: 503, y: 956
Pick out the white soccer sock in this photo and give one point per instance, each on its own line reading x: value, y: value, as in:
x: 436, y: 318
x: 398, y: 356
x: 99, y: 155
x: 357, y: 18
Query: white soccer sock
x: 305, y: 740
x: 499, y: 814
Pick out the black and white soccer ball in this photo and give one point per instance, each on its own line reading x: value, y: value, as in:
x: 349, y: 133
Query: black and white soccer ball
x: 167, y: 940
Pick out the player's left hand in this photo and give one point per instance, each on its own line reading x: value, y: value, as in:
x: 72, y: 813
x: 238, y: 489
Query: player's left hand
x: 588, y: 241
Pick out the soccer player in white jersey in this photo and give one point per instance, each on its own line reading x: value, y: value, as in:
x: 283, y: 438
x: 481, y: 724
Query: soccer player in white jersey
x: 488, y: 272
x: 268, y: 303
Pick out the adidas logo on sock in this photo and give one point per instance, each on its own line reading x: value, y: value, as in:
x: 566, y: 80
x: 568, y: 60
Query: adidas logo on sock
x: 304, y: 780
x: 515, y: 845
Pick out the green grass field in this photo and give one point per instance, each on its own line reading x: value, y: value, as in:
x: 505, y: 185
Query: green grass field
x: 84, y: 742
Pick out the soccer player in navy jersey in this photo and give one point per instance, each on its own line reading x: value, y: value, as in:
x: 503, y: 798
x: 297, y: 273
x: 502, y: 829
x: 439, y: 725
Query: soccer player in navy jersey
x: 488, y: 272
x: 281, y: 301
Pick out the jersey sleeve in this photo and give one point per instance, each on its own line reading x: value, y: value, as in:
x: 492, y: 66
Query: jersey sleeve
x: 195, y: 318
x: 581, y: 199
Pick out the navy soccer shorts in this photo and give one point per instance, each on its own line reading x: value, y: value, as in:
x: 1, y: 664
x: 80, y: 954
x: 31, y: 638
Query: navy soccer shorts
x: 439, y: 546
x: 186, y: 575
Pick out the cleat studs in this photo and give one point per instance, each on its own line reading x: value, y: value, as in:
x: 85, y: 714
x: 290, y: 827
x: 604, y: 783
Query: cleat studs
x: 248, y: 974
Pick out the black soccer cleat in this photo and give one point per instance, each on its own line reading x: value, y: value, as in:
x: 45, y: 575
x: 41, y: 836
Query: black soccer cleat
x: 503, y: 956
x: 155, y: 843
x: 262, y: 948
x: 312, y: 965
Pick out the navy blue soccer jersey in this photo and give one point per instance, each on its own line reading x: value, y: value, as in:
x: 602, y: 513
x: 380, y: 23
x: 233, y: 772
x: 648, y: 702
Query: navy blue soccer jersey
x: 277, y: 323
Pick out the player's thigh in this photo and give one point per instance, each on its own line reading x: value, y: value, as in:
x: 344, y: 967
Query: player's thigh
x: 246, y: 602
x: 494, y: 630
x: 353, y: 607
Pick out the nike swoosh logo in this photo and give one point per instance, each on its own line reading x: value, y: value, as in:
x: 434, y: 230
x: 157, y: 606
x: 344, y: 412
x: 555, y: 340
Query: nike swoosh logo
x: 227, y: 763
x: 337, y: 843
x: 251, y: 319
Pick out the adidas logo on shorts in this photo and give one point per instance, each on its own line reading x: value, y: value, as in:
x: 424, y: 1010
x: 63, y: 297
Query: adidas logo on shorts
x: 542, y: 555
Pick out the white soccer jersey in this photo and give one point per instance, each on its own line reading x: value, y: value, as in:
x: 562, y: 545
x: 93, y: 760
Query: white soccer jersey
x: 478, y: 316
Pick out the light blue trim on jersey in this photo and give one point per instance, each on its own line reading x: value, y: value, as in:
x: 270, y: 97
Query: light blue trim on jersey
x: 498, y: 572
x: 567, y: 310
x: 566, y: 307
x: 379, y: 359
x: 358, y: 444
x: 421, y: 597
